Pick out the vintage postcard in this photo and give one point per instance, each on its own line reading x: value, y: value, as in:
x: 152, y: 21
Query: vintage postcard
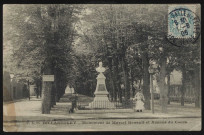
x: 101, y: 67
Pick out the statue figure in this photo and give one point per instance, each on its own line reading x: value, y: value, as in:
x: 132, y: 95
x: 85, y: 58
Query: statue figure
x: 100, y: 69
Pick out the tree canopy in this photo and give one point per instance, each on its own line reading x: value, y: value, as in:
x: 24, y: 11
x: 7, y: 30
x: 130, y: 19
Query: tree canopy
x: 71, y: 40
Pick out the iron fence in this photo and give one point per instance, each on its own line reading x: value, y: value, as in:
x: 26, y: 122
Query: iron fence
x: 177, y: 98
x: 175, y: 94
x: 106, y: 104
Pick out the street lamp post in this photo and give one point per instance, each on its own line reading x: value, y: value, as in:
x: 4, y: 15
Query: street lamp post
x: 152, y: 69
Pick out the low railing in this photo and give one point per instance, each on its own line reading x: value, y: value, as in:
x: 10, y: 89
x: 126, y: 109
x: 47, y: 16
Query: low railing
x: 175, y: 94
x: 106, y: 104
x: 188, y: 99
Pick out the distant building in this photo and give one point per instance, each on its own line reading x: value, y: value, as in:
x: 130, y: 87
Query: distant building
x: 176, y: 78
x: 12, y: 89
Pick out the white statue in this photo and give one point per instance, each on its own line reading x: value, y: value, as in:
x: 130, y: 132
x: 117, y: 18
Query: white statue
x: 100, y: 69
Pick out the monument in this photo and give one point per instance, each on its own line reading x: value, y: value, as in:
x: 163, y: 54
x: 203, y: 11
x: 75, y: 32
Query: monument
x: 101, y: 94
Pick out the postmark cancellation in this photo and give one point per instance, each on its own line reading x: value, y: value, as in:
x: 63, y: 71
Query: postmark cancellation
x: 183, y: 23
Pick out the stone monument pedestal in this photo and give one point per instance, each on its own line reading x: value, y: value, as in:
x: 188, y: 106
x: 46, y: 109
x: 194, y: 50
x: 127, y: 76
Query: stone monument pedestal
x: 101, y: 94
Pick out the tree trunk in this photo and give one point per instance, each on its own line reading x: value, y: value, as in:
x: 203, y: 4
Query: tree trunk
x: 183, y: 88
x: 126, y: 79
x: 41, y: 83
x: 46, y: 93
x: 53, y: 93
x: 118, y: 80
x: 132, y: 83
x: 37, y: 89
x: 133, y: 89
x: 146, y: 81
x: 113, y: 87
x: 168, y: 87
x: 162, y: 85
x: 57, y: 87
x: 113, y: 90
x: 38, y: 83
x: 28, y: 83
x: 119, y: 90
x: 46, y: 97
x: 140, y: 83
x: 115, y: 79
x: 197, y: 87
x: 119, y: 93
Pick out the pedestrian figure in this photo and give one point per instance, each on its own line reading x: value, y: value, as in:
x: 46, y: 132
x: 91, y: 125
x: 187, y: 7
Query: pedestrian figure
x: 139, y: 98
x: 74, y: 104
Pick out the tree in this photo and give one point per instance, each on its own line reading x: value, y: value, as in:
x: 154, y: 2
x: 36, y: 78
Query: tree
x: 43, y: 37
x: 187, y: 59
x: 114, y: 30
x: 119, y: 31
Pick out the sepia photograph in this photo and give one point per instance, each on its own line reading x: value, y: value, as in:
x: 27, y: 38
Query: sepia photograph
x: 101, y: 67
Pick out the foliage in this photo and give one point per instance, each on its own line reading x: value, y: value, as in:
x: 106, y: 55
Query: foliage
x: 30, y: 29
x: 74, y: 38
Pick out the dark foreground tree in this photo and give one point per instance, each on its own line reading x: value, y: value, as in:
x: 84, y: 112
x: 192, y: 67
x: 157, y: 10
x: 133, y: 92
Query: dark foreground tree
x: 42, y: 43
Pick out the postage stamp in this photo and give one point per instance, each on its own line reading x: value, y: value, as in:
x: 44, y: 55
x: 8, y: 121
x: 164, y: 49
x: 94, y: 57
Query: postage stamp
x: 183, y: 24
